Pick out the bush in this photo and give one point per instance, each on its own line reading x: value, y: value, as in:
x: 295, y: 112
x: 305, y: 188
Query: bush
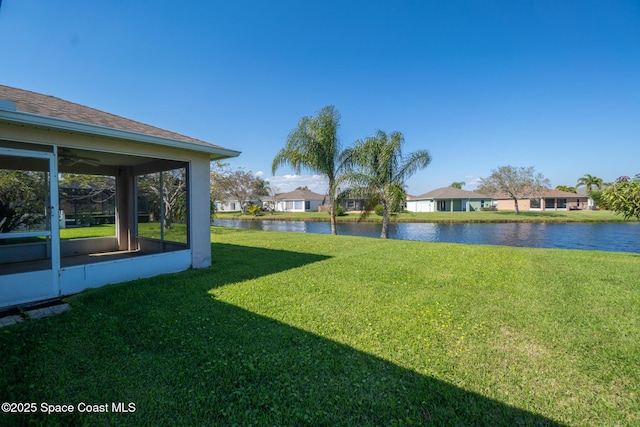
x: 379, y: 210
x: 85, y: 220
x: 253, y: 209
x: 340, y: 210
x: 598, y: 200
x: 489, y: 209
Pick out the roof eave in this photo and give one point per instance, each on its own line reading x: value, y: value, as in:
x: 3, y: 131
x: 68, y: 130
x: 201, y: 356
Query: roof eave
x: 21, y: 118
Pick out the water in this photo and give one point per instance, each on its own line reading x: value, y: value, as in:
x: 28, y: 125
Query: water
x: 615, y: 237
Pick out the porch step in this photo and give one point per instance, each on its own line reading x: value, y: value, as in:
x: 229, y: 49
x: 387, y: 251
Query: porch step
x: 14, y: 315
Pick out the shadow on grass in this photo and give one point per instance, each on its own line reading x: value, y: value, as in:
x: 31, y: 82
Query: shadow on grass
x: 183, y: 357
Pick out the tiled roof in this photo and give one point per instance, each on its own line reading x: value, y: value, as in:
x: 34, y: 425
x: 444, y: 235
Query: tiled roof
x: 451, y: 193
x: 50, y: 106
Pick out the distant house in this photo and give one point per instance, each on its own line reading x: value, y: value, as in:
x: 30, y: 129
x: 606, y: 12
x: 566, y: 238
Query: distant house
x: 234, y: 205
x: 448, y: 199
x: 549, y: 200
x: 296, y: 201
x: 351, y: 205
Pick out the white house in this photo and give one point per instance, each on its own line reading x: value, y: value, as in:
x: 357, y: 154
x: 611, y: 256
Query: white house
x: 234, y: 205
x: 49, y: 136
x: 296, y: 201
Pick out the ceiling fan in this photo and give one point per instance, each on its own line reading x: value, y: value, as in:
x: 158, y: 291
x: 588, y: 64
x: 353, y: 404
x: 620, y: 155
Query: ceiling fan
x: 70, y: 158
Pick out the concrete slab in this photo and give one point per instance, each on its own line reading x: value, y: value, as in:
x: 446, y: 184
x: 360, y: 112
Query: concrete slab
x: 36, y: 313
x: 10, y: 320
x: 40, y: 313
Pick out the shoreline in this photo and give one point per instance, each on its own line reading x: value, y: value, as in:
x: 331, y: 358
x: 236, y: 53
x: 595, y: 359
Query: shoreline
x: 353, y: 219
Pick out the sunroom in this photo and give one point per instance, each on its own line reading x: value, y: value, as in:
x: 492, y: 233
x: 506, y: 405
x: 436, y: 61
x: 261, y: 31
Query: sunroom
x: 88, y: 198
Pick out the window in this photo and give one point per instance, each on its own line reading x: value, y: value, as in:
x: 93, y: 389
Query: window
x: 298, y: 204
x: 535, y: 204
x: 288, y: 205
x: 307, y: 205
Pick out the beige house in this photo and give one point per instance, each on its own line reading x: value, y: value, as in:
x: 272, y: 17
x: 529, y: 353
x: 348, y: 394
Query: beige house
x: 46, y: 137
x: 549, y: 199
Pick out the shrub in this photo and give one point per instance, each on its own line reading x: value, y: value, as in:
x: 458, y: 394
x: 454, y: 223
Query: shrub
x: 379, y: 210
x: 254, y: 209
x: 340, y: 210
x: 598, y: 200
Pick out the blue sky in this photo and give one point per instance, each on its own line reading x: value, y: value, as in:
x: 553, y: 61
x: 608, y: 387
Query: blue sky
x: 480, y: 84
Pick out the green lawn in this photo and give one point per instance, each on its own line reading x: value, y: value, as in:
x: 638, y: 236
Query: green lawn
x: 502, y: 216
x: 177, y: 233
x: 304, y: 329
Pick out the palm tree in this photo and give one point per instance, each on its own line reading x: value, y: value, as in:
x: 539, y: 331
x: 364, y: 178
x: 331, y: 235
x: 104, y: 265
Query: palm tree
x: 566, y: 188
x: 314, y: 146
x: 457, y: 184
x: 589, y: 181
x: 376, y: 170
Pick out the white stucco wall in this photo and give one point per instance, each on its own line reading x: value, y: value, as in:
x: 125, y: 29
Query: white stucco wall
x: 420, y: 206
x: 281, y: 206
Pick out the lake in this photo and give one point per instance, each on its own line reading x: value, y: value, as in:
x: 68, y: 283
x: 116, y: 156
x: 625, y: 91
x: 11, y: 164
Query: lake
x: 613, y: 237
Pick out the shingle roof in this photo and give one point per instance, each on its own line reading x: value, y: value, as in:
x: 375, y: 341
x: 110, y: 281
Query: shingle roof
x: 300, y: 195
x: 50, y: 106
x: 451, y: 193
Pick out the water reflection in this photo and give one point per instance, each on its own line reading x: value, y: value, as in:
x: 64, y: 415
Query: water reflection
x: 617, y: 237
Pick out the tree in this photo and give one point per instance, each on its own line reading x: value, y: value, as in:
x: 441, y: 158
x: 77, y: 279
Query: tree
x: 623, y: 196
x: 566, y: 188
x: 305, y: 188
x: 457, y: 184
x: 167, y: 189
x: 515, y: 182
x: 589, y: 181
x: 376, y: 170
x: 314, y: 146
x: 238, y: 185
x: 83, y: 192
x: 22, y: 199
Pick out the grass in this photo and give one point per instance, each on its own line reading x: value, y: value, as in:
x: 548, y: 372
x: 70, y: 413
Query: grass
x: 304, y: 329
x: 177, y: 233
x: 448, y: 217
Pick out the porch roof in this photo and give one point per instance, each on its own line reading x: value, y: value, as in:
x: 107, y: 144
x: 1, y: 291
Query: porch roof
x: 23, y: 107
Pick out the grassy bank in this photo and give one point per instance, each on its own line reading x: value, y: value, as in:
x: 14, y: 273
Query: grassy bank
x: 304, y: 329
x: 448, y: 217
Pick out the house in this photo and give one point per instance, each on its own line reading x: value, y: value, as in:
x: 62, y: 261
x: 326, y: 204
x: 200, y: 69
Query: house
x: 234, y: 205
x: 549, y: 200
x: 448, y: 199
x: 49, y: 136
x: 353, y: 205
x: 295, y: 201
